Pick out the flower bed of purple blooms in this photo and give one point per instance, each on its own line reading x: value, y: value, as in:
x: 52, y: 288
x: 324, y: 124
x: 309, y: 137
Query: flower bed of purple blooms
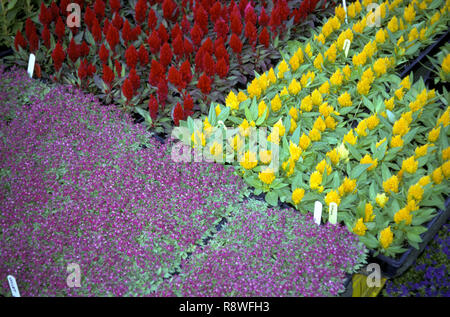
x: 77, y: 186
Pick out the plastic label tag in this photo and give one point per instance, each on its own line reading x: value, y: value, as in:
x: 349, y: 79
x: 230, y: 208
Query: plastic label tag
x: 346, y: 47
x: 344, y: 4
x: 31, y: 62
x: 332, y: 217
x: 13, y: 286
x: 317, y: 212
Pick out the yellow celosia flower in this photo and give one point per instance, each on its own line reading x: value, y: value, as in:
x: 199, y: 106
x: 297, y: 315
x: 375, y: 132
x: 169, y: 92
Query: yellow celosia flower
x: 315, y: 135
x: 275, y: 104
x: 410, y: 165
x: 380, y: 142
x: 345, y: 100
x: 415, y: 192
x: 254, y: 89
x: 334, y: 156
x: 409, y: 14
x: 433, y: 135
x: 381, y: 200
x: 350, y: 138
x: 360, y: 228
x: 361, y: 128
x: 297, y: 195
x: 389, y: 103
x: 293, y: 126
x: 232, y: 101
x: 413, y: 35
x: 332, y: 197
x: 370, y: 49
x: 347, y: 72
x: 308, y: 50
x: 262, y: 107
x: 325, y: 110
x: 218, y: 110
x: 347, y: 186
x: 368, y: 213
x: 282, y: 68
x: 446, y: 64
x: 391, y: 184
x: 315, y: 181
x: 393, y: 24
x: 331, y: 53
x: 271, y: 76
x: 359, y: 59
x: 322, y: 166
x: 295, y: 151
x: 207, y: 127
x: 249, y: 160
x: 380, y: 66
x: 198, y: 138
x: 299, y: 54
x: 421, y: 150
x: 446, y: 154
x: 343, y: 152
x: 216, y: 149
x: 316, y: 97
x: 401, y: 127
x: 337, y: 78
x: 242, y: 96
x: 294, y: 62
x: 435, y: 18
x: 372, y: 121
x: 423, y: 34
x: 279, y: 125
x: 267, y: 176
x: 330, y: 122
x: 437, y: 175
x: 293, y: 112
x: 339, y: 12
x: 306, y: 104
x: 319, y: 124
x: 446, y: 169
x: 294, y: 87
x: 284, y: 92
x: 324, y: 88
x: 444, y: 118
x: 386, y: 237
x: 318, y: 61
x: 236, y: 142
x: 381, y: 36
x: 367, y: 159
x: 403, y: 215
x: 263, y: 82
x: 274, y: 137
x: 305, y: 141
x: 244, y: 128
x: 424, y: 180
x: 265, y: 156
x: 396, y: 141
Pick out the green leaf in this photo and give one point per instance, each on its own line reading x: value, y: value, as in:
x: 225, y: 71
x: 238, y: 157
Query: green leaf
x: 272, y: 198
x: 353, y: 151
x: 358, y: 170
x: 413, y: 237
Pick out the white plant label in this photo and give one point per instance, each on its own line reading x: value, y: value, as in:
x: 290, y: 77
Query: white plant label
x: 332, y: 217
x: 317, y: 212
x: 344, y: 4
x: 346, y: 47
x: 31, y: 62
x: 13, y: 286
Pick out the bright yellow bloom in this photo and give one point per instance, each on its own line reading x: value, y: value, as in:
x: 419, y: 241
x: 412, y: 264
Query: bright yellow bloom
x: 308, y: 77
x: 403, y: 215
x: 322, y: 166
x: 316, y: 97
x: 359, y: 59
x: 401, y: 127
x: 331, y: 53
x: 381, y: 36
x: 337, y: 78
x: 363, y: 86
x: 254, y: 89
x: 265, y: 156
x: 299, y: 54
x: 294, y: 87
x: 207, y: 127
x: 315, y: 135
x: 284, y: 92
x: 263, y: 82
x: 315, y: 181
x: 293, y: 112
x: 335, y: 24
x: 294, y: 62
x: 242, y: 96
x: 421, y: 150
x: 308, y: 50
x: 411, y: 205
x: 216, y: 149
x: 279, y: 125
x: 370, y: 49
x: 389, y: 103
x: 332, y: 197
x: 339, y: 12
x: 244, y: 128
x: 435, y: 18
x: 372, y: 121
x: 345, y: 100
x: 347, y: 72
x: 391, y: 184
x: 396, y: 141
x: 324, y: 88
x: 381, y: 200
x: 413, y: 35
x: 330, y: 122
x: 334, y: 156
x: 446, y: 169
x: 386, y: 237
x: 368, y: 212
x: 437, y: 175
x: 276, y: 103
x: 218, y: 110
x: 393, y: 24
x: 380, y: 66
x: 327, y: 29
x: 433, y: 135
x: 347, y: 186
x: 318, y: 61
x: 198, y: 138
x: 297, y: 195
x: 232, y: 101
x: 274, y: 137
x: 267, y: 176
x: 282, y: 68
x: 306, y: 104
x: 293, y: 126
x: 305, y: 141
x: 446, y: 154
x: 410, y: 165
x: 360, y: 228
x: 367, y: 159
x: 249, y: 160
x: 350, y: 138
x: 423, y: 34
x: 236, y: 142
x: 343, y: 152
x: 271, y: 76
x: 380, y: 142
x: 262, y: 107
x: 361, y: 128
x: 424, y: 180
x: 409, y: 14
x: 446, y: 64
x: 415, y: 192
x: 325, y: 110
x: 444, y: 118
x: 319, y: 124
x: 295, y: 151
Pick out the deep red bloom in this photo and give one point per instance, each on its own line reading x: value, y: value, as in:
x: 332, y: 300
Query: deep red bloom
x: 249, y: 14
x: 199, y: 60
x: 169, y: 10
x: 126, y: 32
x: 196, y: 35
x: 165, y: 55
x: 153, y: 107
x: 108, y: 75
x: 127, y: 89
x: 140, y: 11
x: 103, y: 54
x: 204, y: 84
x: 242, y: 5
x: 154, y: 42
x: 37, y: 70
x: 131, y: 56
x: 176, y: 31
x: 220, y: 51
x: 84, y: 49
x: 264, y: 37
x: 222, y: 68
x: 208, y: 45
x: 275, y: 20
x: 91, y: 70
x: 162, y: 91
x: 176, y: 79
x: 221, y: 28
x: 96, y: 31
x: 30, y: 28
x: 135, y: 79
x: 186, y: 72
x: 115, y: 5
x: 152, y: 19
x: 20, y: 41
x: 143, y: 55
x: 112, y: 37
x: 235, y: 44
x: 117, y: 21
x: 118, y: 67
x: 209, y: 65
x: 236, y: 24
x: 185, y: 25
x: 188, y: 105
x: 177, y: 114
x: 201, y: 17
x: 251, y: 33
x: 34, y: 42
x: 188, y: 48
x: 99, y: 8
x: 54, y: 10
x: 264, y: 18
x: 162, y: 31
x: 60, y: 28
x: 106, y: 25
x: 156, y: 73
x: 89, y: 17
x: 215, y: 11
x: 46, y: 36
x: 135, y: 32
x: 45, y: 15
x: 58, y: 56
x: 73, y: 51
x: 177, y: 44
x: 82, y: 70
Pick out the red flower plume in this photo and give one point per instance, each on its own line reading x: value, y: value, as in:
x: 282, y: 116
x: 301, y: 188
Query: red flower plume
x: 196, y: 35
x: 84, y: 49
x: 177, y: 44
x: 153, y: 107
x: 140, y: 11
x: 30, y: 28
x: 127, y: 89
x: 99, y: 8
x: 177, y: 114
x: 209, y: 65
x: 222, y: 68
x: 135, y: 79
x: 176, y: 79
x: 215, y: 11
x: 118, y: 67
x: 169, y: 10
x: 188, y: 48
x: 186, y: 72
x: 264, y: 18
x: 221, y: 28
x: 251, y: 33
x: 45, y: 15
x: 185, y: 25
x: 235, y: 44
x: 162, y: 31
x: 89, y: 17
x: 19, y: 41
x: 264, y: 37
x: 188, y: 105
x: 131, y: 56
x: 250, y: 15
x: 176, y: 31
x: 58, y: 56
x: 60, y: 28
x: 201, y: 17
x: 154, y: 42
x: 115, y: 5
x: 162, y: 91
x: 103, y: 54
x: 143, y: 56
x: 117, y: 21
x: 156, y: 73
x: 96, y: 31
x: 152, y: 19
x: 73, y: 51
x: 204, y: 84
x: 108, y: 75
x: 106, y: 25
x: 236, y: 24
x: 34, y: 42
x: 126, y: 32
x: 165, y: 55
x: 112, y: 37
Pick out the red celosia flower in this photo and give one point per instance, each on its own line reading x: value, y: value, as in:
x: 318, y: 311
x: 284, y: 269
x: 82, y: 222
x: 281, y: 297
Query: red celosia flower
x: 127, y: 89
x: 135, y: 32
x: 236, y: 24
x: 215, y: 11
x: 208, y: 46
x: 156, y: 73
x: 185, y: 25
x: 131, y: 56
x: 177, y: 114
x: 176, y: 31
x: 186, y: 72
x: 264, y: 18
x: 58, y: 56
x: 154, y: 42
x: 37, y: 70
x: 106, y: 25
x: 178, y: 48
x: 108, y: 75
x: 242, y: 5
x: 54, y: 10
x: 117, y: 21
x: 152, y: 19
x: 153, y: 107
x: 235, y: 44
x: 63, y: 5
x: 209, y: 65
x: 143, y: 55
x: 162, y: 31
x: 112, y: 37
x: 118, y: 67
x: 188, y: 48
x: 165, y: 55
x: 84, y: 49
x: 82, y: 70
x: 91, y: 70
x: 221, y: 28
x: 176, y: 79
x: 169, y: 10
x: 162, y: 91
x: 221, y: 52
x: 34, y: 42
x: 30, y: 28
x: 103, y: 54
x: 222, y: 68
x: 20, y: 41
x: 115, y: 5
x: 96, y: 31
x: 45, y: 15
x: 204, y: 84
x: 140, y: 11
x: 188, y: 105
x: 46, y: 36
x: 275, y: 20
x: 196, y: 34
x: 60, y: 28
x: 199, y: 60
x: 264, y: 37
x: 73, y: 51
x: 250, y: 33
x: 89, y: 17
x: 99, y: 8
x: 126, y: 32
x: 201, y: 17
x: 249, y: 14
x: 135, y: 79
